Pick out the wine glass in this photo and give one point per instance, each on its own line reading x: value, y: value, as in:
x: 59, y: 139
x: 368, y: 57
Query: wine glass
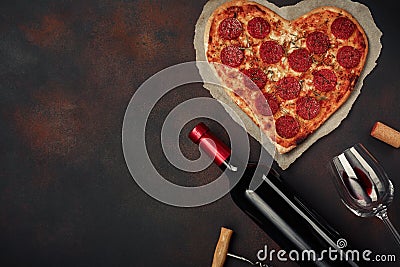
x: 363, y: 185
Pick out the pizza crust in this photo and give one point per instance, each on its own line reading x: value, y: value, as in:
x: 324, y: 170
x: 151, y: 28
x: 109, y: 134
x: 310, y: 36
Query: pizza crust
x: 285, y: 145
x: 365, y: 19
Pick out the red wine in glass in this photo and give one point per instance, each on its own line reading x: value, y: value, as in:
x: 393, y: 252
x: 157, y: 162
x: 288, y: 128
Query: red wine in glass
x: 363, y: 185
x: 360, y: 186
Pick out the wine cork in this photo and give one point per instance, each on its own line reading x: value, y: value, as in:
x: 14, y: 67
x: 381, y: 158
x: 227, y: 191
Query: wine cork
x: 386, y: 134
x: 221, y: 250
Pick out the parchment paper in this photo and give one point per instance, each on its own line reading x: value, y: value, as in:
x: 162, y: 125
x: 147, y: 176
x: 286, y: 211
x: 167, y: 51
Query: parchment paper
x: 358, y: 10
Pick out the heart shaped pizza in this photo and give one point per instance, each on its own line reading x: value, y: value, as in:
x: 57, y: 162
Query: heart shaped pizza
x: 303, y: 70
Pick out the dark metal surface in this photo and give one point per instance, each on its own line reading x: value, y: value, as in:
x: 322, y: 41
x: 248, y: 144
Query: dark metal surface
x: 68, y: 70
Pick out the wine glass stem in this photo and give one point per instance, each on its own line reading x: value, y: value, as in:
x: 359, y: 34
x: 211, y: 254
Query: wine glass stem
x: 384, y: 217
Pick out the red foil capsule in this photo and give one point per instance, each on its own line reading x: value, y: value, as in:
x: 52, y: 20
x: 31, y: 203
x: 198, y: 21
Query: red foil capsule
x: 209, y: 143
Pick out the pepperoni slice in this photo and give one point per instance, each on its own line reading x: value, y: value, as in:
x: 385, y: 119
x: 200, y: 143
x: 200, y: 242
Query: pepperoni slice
x: 307, y: 107
x: 268, y: 107
x: 271, y: 52
x: 232, y: 56
x: 288, y: 88
x: 257, y: 76
x: 342, y: 28
x: 230, y: 28
x: 300, y: 60
x: 348, y: 57
x: 287, y: 126
x: 258, y: 27
x: 324, y: 80
x: 317, y: 42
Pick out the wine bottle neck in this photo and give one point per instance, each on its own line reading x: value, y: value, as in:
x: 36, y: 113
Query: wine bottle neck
x: 210, y: 144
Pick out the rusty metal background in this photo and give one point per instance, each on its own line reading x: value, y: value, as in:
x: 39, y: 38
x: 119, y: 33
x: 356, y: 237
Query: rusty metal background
x: 67, y: 72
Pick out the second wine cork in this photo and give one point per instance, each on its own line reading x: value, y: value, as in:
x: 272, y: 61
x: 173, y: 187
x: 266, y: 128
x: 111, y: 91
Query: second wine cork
x: 386, y: 134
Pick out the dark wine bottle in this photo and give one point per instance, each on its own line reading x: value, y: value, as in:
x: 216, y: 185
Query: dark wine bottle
x: 276, y: 209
